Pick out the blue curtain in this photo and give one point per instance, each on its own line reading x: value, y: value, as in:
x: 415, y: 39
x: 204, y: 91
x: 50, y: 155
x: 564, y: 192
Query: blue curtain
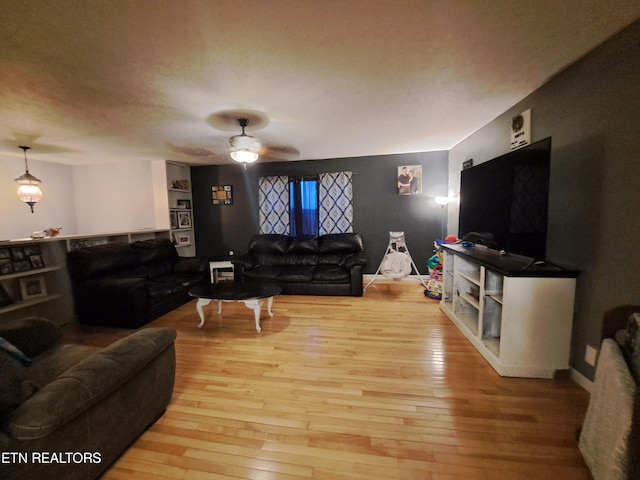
x: 303, y: 206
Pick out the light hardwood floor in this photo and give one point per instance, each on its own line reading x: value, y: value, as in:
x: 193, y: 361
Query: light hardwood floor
x: 378, y: 387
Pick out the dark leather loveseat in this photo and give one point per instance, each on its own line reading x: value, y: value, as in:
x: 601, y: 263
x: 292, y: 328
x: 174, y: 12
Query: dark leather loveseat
x: 325, y: 265
x: 128, y: 285
x: 68, y: 411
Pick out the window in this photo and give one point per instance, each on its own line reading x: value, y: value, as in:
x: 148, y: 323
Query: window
x: 312, y: 205
x: 303, y: 206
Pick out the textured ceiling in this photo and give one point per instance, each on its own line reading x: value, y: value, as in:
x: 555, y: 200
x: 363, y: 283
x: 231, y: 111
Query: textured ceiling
x: 100, y: 81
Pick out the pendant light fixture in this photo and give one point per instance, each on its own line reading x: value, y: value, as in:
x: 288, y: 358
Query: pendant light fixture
x: 29, y: 192
x: 244, y: 148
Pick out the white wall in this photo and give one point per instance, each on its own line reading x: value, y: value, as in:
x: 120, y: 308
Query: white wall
x: 116, y: 197
x: 56, y: 209
x: 84, y: 200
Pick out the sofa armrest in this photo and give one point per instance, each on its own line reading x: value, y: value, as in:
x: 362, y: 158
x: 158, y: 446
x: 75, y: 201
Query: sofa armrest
x: 357, y: 259
x: 31, y: 335
x: 86, y: 383
x: 191, y: 265
x: 116, y: 301
x: 616, y: 319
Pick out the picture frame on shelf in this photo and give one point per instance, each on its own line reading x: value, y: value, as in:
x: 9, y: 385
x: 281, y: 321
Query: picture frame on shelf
x: 5, y: 298
x: 17, y: 254
x: 22, y: 266
x: 184, y: 220
x: 183, y: 239
x: 173, y: 219
x: 32, y: 287
x: 6, y: 267
x: 34, y: 255
x: 180, y: 185
x: 184, y: 203
x: 20, y: 259
x: 36, y: 261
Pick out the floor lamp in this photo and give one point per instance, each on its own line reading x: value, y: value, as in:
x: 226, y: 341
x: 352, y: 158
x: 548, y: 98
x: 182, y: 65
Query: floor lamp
x: 443, y: 202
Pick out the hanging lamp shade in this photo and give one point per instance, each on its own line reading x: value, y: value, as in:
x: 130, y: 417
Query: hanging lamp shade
x: 28, y: 190
x: 244, y: 148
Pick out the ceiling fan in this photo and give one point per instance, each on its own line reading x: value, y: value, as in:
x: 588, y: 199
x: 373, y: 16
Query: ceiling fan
x: 243, y: 148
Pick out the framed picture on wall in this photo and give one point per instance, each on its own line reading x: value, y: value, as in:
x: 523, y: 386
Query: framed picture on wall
x: 222, y: 194
x: 409, y: 180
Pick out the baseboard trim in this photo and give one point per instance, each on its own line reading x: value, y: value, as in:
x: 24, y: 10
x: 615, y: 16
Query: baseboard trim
x: 580, y: 379
x: 367, y: 277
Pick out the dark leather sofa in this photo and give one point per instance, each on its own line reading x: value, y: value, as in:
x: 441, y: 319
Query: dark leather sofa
x: 67, y: 411
x: 128, y: 285
x: 325, y: 265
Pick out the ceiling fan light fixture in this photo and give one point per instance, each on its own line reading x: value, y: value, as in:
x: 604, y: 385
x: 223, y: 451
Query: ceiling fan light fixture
x: 244, y: 156
x: 28, y: 191
x: 244, y: 148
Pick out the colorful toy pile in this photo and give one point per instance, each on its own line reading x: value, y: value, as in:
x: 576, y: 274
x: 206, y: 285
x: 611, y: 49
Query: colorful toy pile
x: 434, y: 264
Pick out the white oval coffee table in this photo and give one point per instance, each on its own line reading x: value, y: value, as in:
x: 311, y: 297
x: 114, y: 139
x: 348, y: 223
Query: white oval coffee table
x: 251, y: 294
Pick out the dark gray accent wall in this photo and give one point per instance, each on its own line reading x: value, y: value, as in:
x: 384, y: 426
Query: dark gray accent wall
x: 592, y: 112
x: 378, y: 209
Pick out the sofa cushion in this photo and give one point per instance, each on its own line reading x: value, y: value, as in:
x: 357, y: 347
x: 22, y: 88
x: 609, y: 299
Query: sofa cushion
x: 271, y: 259
x: 101, y: 260
x: 167, y: 285
x: 191, y: 265
x: 158, y: 269
x: 261, y: 274
x: 304, y: 244
x: 331, y: 259
x: 331, y: 274
x: 155, y: 250
x: 48, y: 365
x: 301, y: 259
x: 341, y: 243
x: 14, y: 386
x: 298, y: 273
x: 269, y: 243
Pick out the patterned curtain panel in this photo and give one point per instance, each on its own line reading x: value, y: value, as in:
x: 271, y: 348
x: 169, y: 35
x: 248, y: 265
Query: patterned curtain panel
x: 336, y: 203
x: 273, y: 203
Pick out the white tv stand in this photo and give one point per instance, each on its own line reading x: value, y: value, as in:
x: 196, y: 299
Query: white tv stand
x: 516, y: 313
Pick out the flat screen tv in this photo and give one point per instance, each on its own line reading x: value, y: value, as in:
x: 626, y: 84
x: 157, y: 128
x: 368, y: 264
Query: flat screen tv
x: 504, y: 201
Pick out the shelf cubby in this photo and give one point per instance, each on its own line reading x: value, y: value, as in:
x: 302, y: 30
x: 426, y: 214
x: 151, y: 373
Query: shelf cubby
x: 518, y: 318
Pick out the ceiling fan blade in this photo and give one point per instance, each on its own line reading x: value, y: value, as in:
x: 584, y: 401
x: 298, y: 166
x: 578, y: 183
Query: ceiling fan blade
x: 279, y: 152
x: 191, y: 151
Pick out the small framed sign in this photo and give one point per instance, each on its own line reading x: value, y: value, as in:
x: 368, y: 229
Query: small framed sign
x: 521, y: 130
